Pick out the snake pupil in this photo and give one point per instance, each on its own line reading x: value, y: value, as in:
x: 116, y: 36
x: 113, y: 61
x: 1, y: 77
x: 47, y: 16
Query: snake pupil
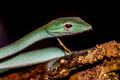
x: 68, y: 25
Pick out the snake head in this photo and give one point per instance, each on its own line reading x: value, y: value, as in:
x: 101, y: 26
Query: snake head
x: 67, y: 26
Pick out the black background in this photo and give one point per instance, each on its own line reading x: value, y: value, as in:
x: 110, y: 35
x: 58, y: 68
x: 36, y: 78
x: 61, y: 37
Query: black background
x: 20, y: 19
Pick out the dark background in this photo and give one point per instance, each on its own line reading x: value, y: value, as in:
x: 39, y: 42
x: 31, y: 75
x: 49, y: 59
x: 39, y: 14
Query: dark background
x: 19, y: 20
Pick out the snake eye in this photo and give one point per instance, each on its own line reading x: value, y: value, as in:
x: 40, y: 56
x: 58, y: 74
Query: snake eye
x: 68, y: 26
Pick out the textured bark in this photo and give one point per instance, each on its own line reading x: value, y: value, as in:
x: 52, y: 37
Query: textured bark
x: 99, y: 63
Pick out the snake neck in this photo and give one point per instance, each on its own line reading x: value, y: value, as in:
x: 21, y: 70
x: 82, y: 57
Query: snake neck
x: 24, y: 42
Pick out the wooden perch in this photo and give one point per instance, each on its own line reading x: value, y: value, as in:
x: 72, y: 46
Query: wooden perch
x: 99, y: 63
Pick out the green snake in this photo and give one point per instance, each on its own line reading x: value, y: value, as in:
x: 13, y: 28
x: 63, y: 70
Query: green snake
x: 56, y: 28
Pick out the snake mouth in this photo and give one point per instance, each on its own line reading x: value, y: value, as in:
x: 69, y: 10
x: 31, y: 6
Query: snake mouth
x: 60, y: 34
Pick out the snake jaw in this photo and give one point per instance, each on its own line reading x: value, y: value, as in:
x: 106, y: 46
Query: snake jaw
x: 60, y: 34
